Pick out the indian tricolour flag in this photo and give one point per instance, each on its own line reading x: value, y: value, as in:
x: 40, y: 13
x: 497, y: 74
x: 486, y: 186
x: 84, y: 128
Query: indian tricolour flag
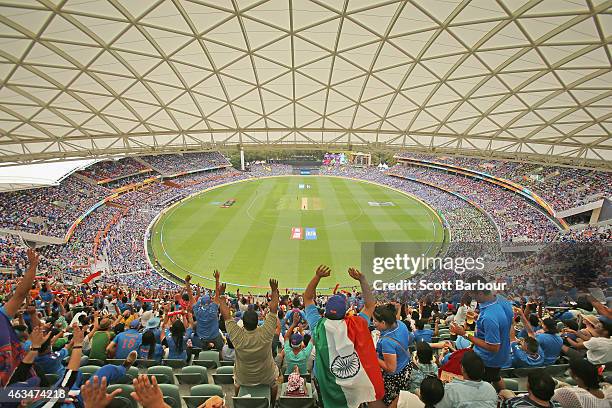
x: 346, y: 367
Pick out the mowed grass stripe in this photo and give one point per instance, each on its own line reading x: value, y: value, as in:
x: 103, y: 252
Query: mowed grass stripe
x: 244, y: 236
x: 284, y: 255
x: 420, y: 216
x: 355, y: 228
x: 398, y: 222
x: 253, y: 251
x: 183, y: 227
x: 314, y: 252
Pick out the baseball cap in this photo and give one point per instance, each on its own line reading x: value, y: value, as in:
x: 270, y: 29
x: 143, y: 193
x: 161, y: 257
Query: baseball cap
x: 335, y: 309
x: 135, y: 324
x: 296, y: 339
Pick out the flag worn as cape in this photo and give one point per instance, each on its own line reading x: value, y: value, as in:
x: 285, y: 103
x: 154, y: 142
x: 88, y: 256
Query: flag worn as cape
x: 347, y: 367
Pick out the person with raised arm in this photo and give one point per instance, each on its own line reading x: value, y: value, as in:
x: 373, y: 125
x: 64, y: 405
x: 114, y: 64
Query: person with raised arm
x: 253, y: 344
x: 346, y: 368
x: 11, y: 351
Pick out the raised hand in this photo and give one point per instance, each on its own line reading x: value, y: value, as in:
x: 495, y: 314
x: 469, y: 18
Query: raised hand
x: 33, y: 258
x: 216, y: 275
x: 94, y: 393
x: 148, y: 392
x: 323, y: 271
x: 38, y: 337
x: 355, y: 274
x: 77, y: 335
x: 188, y: 278
x: 274, y: 285
x: 296, y: 318
x: 221, y: 289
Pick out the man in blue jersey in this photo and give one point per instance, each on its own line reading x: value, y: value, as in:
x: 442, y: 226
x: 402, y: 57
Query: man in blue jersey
x: 127, y: 341
x: 492, y: 338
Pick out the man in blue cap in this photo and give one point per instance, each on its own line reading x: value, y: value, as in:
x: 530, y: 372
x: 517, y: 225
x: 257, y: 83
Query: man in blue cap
x: 206, y: 313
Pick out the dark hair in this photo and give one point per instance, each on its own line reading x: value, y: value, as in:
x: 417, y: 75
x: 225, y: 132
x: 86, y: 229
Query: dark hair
x: 296, y: 302
x: 420, y: 324
x: 148, y: 339
x: 532, y: 345
x: 424, y: 352
x: 385, y: 313
x: 534, y: 320
x: 550, y: 325
x: 250, y: 320
x: 607, y: 327
x: 586, y: 371
x: 177, y: 331
x: 432, y: 391
x: 415, y: 315
x: 185, y: 297
x: 541, y: 385
x: 473, y: 365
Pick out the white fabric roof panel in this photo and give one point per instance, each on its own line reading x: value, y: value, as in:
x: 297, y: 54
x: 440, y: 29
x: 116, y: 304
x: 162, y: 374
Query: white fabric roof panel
x: 99, y: 78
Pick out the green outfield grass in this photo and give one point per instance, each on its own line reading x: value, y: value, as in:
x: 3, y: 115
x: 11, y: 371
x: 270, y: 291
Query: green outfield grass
x: 250, y: 241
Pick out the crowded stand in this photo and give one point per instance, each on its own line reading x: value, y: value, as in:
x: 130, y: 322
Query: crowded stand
x: 169, y: 164
x: 105, y: 171
x: 49, y: 210
x: 482, y: 348
x: 562, y: 187
x: 517, y: 219
x: 269, y: 169
x: 592, y: 233
x: 134, y: 336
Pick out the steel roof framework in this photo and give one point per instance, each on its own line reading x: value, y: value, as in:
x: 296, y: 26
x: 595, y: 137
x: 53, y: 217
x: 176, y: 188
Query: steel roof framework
x: 492, y: 77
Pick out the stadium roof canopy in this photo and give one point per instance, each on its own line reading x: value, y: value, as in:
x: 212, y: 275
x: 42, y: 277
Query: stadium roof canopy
x: 491, y: 77
x: 21, y: 177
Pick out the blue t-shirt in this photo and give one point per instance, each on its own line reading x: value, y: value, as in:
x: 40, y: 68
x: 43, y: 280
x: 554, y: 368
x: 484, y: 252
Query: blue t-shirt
x: 172, y: 349
x: 51, y: 363
x: 158, y: 353
x: 523, y: 333
x: 46, y: 296
x: 493, y: 326
x: 398, y: 346
x: 207, y: 318
x: 521, y: 359
x: 551, y: 346
x: 423, y: 335
x: 127, y: 341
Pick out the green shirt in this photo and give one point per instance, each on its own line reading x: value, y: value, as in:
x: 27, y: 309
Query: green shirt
x: 300, y: 359
x: 99, y: 341
x: 254, y: 363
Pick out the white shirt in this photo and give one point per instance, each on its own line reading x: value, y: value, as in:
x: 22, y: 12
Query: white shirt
x: 576, y: 397
x: 599, y: 350
x: 409, y: 400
